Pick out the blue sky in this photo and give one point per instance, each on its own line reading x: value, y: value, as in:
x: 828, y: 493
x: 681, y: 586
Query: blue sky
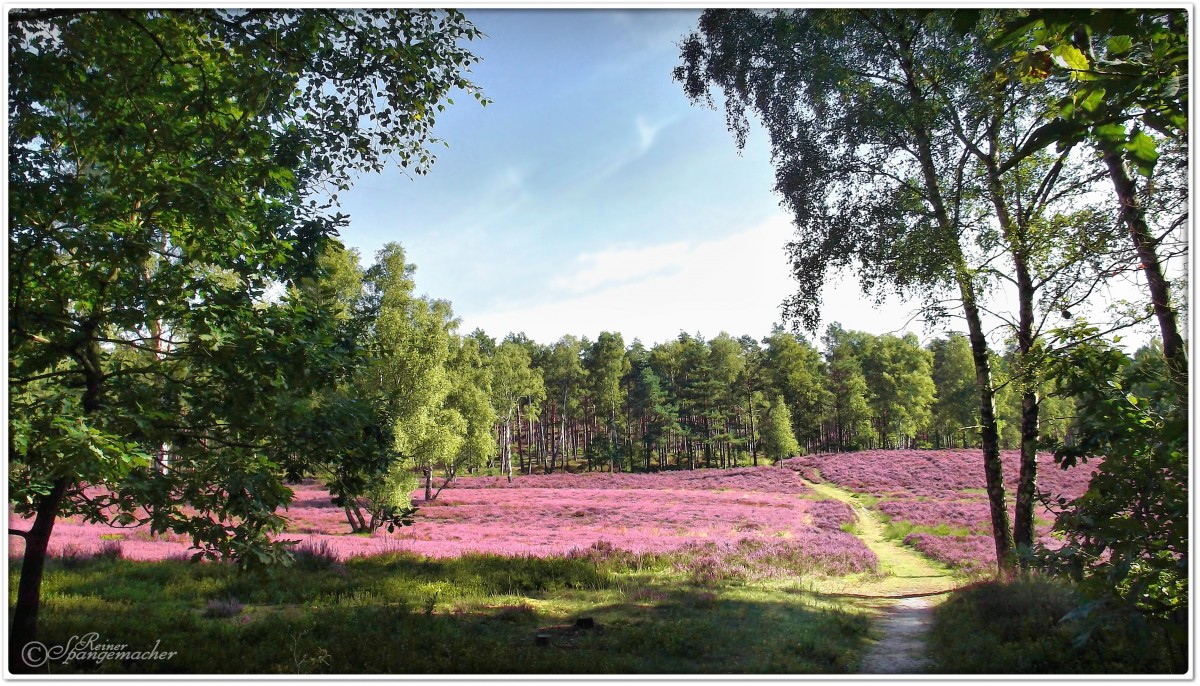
x: 592, y: 195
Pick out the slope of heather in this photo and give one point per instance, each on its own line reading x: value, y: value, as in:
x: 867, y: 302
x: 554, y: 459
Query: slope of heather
x: 936, y: 498
x: 764, y: 517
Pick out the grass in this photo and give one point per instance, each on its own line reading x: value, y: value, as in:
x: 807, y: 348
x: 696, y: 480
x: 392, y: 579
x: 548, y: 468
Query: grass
x: 901, y: 569
x: 470, y: 615
x: 897, y: 530
x: 1022, y: 627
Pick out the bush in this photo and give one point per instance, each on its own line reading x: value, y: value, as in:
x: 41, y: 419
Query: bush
x: 218, y: 609
x: 1027, y: 627
x: 1125, y: 541
x: 315, y: 556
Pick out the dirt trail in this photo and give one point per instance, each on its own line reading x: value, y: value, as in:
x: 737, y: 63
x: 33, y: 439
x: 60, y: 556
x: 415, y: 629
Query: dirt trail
x: 904, y: 621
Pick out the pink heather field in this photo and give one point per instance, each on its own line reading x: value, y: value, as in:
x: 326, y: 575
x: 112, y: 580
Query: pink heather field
x: 943, y: 491
x: 763, y: 514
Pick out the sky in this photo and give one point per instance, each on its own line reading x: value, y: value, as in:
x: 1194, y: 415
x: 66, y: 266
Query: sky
x: 592, y: 195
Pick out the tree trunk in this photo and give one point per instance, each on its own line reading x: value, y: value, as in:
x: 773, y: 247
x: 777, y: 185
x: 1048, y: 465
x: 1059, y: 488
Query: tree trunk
x: 427, y: 472
x: 1160, y: 291
x: 753, y: 445
x: 506, y: 449
x: 1027, y: 480
x: 520, y: 431
x: 563, y: 423
x: 1023, y: 528
x: 989, y: 435
x: 33, y: 564
x: 1016, y: 235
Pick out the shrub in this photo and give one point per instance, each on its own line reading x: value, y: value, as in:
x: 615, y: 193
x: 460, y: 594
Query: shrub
x: 317, y: 555
x: 1025, y: 627
x: 109, y: 550
x: 219, y: 609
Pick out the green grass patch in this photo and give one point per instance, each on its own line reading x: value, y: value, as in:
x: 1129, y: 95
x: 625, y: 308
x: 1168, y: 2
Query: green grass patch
x: 476, y: 614
x: 897, y: 530
x: 867, y: 500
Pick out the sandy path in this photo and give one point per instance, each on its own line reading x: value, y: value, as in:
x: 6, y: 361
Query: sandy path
x: 904, y: 621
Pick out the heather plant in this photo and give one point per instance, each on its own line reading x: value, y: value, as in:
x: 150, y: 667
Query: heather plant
x: 223, y: 608
x: 935, y: 501
x: 590, y: 515
x: 316, y: 555
x: 1026, y: 627
x: 110, y: 550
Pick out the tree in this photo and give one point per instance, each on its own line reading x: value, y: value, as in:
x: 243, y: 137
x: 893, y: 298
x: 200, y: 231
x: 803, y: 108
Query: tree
x: 165, y: 168
x: 1114, y: 97
x: 797, y: 373
x: 1035, y: 198
x: 649, y: 406
x: 469, y: 397
x: 513, y: 382
x: 728, y: 364
x: 605, y: 363
x: 413, y: 339
x: 954, y: 383
x: 563, y: 374
x: 750, y: 384
x: 849, y: 410
x: 352, y: 442
x: 778, y: 439
x: 866, y: 159
x: 900, y: 387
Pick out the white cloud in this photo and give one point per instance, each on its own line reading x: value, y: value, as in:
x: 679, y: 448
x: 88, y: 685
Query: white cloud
x: 646, y: 133
x: 732, y: 284
x: 620, y: 266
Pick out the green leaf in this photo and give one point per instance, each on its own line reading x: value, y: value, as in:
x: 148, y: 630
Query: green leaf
x: 1119, y: 45
x: 1095, y: 97
x: 1110, y: 135
x: 1069, y: 57
x: 1143, y: 151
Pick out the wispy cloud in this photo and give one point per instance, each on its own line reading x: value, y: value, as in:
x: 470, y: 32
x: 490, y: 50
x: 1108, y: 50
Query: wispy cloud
x: 619, y: 266
x: 647, y: 132
x: 734, y: 284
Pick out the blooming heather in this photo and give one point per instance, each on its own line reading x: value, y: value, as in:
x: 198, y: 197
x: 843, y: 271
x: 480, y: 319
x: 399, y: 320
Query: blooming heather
x: 969, y: 553
x: 761, y: 517
x: 934, y: 488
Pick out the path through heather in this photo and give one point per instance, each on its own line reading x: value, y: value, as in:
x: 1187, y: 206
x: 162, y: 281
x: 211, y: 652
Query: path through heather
x: 904, y: 593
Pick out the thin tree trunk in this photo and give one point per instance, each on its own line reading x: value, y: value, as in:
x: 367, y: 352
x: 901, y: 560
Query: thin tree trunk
x: 1160, y: 291
x: 1027, y: 480
x: 1015, y: 234
x: 993, y: 469
x: 520, y: 453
